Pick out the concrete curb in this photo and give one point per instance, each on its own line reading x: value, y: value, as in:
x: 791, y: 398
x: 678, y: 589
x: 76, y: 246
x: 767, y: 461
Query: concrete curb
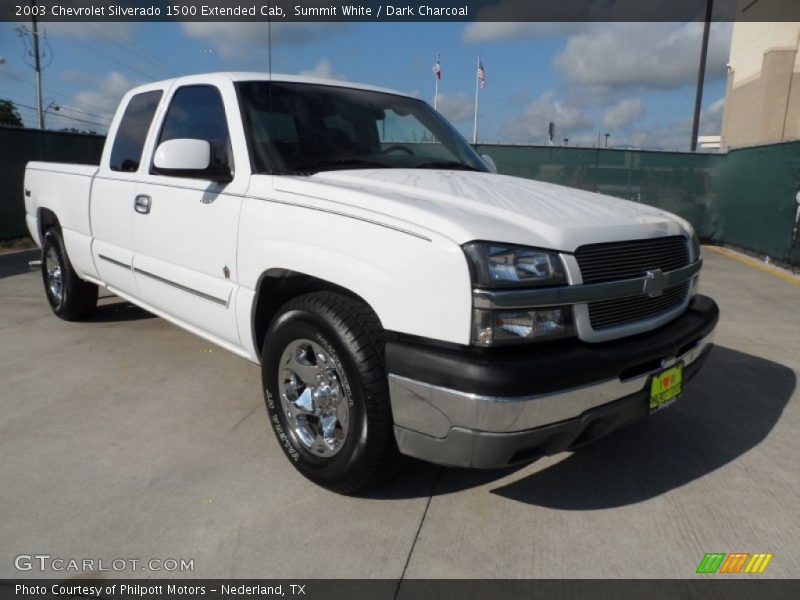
x: 14, y: 263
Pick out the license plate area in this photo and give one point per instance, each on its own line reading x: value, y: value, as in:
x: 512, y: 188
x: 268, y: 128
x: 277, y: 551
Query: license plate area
x: 665, y: 387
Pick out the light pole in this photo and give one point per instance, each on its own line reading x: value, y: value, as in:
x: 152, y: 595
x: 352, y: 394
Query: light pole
x: 53, y: 106
x: 701, y: 75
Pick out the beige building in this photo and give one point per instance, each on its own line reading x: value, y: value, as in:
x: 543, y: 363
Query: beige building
x: 762, y: 101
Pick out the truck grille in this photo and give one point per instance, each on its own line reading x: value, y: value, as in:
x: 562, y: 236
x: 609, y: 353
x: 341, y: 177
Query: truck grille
x: 610, y: 313
x: 627, y: 260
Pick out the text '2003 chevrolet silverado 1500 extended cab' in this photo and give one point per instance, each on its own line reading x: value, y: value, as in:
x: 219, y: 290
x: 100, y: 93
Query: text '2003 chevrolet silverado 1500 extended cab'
x: 401, y: 297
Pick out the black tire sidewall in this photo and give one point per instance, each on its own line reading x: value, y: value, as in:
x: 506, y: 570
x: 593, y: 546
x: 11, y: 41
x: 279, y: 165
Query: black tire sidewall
x: 303, y: 324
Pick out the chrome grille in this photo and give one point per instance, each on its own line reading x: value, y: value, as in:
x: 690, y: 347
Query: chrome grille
x: 611, y: 313
x: 625, y: 260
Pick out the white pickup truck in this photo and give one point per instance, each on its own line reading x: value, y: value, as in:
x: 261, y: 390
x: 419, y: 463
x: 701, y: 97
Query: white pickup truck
x: 400, y: 296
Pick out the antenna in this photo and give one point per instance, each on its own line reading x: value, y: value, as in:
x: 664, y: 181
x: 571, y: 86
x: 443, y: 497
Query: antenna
x: 269, y: 40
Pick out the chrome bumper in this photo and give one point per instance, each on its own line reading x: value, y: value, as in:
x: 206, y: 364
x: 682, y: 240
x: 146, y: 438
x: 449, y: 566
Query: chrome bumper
x: 425, y: 414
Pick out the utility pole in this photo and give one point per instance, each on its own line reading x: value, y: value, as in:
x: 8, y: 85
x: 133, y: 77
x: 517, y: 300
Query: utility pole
x: 701, y: 75
x: 37, y: 68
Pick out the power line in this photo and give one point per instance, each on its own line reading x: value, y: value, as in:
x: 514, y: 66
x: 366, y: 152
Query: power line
x: 33, y: 108
x: 71, y: 38
x: 105, y: 115
x: 141, y: 52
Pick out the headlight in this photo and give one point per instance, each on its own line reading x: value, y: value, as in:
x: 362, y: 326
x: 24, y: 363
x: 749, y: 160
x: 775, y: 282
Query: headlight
x: 694, y: 246
x: 694, y: 250
x: 493, y: 266
x: 491, y: 328
x: 502, y: 265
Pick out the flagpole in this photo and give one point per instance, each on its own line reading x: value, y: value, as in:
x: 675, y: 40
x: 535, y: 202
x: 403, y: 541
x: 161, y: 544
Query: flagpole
x: 475, y: 124
x: 436, y: 92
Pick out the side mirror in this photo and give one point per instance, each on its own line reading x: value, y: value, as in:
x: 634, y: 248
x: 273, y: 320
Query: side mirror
x: 489, y: 162
x: 185, y: 157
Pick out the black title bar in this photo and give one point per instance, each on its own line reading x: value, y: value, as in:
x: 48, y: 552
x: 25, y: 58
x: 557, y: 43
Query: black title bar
x: 707, y: 587
x: 400, y: 11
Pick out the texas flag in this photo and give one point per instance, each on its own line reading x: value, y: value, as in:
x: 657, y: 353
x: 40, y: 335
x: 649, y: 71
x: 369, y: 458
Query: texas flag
x: 437, y: 69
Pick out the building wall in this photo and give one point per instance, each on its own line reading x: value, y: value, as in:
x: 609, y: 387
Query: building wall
x: 762, y: 102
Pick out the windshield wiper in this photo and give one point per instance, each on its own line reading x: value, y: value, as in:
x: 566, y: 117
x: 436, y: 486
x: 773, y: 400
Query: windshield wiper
x: 446, y: 165
x: 315, y: 166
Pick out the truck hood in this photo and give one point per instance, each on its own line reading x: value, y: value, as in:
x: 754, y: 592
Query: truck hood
x: 467, y: 206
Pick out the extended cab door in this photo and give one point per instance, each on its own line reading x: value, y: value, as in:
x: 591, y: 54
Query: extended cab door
x: 185, y: 228
x: 114, y: 190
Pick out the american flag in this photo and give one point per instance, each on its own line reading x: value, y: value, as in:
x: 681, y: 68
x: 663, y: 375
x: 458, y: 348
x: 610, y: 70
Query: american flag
x: 481, y: 74
x: 437, y: 70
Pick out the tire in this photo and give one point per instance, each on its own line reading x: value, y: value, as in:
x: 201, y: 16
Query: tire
x: 359, y: 451
x: 69, y: 296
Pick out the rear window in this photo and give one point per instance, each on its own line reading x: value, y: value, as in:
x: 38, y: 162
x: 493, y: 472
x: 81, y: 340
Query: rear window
x: 126, y: 153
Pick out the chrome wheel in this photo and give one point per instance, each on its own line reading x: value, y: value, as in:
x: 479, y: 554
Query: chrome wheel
x: 52, y: 269
x: 315, y: 403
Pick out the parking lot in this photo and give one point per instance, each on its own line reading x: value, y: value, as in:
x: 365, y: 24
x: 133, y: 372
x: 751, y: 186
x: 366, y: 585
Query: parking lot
x: 128, y: 438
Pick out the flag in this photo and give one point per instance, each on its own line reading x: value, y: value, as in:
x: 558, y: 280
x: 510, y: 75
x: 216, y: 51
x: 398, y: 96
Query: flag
x: 481, y: 74
x: 437, y: 70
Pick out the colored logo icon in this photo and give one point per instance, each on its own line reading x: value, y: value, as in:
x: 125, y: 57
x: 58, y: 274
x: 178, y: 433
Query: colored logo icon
x: 736, y: 562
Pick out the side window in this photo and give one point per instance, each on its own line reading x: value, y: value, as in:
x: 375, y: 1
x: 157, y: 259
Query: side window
x: 197, y: 112
x: 126, y: 154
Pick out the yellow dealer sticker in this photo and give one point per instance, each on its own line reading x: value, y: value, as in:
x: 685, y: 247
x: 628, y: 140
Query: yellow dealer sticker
x: 665, y: 387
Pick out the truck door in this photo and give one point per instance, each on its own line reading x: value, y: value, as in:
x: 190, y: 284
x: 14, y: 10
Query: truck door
x: 185, y: 226
x: 113, y: 192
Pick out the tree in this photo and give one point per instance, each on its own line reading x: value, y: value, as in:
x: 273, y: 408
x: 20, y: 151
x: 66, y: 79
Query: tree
x: 9, y: 115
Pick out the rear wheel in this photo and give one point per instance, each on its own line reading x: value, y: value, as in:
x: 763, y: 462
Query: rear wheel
x: 326, y: 391
x: 69, y: 296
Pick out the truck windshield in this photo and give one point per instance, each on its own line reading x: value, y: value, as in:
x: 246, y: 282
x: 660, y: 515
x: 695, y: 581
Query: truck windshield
x: 302, y: 128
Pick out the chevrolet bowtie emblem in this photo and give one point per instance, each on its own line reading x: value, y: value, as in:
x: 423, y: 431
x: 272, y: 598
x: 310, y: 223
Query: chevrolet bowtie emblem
x: 654, y: 283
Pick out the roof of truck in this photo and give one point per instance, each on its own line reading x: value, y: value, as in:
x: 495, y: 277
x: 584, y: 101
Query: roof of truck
x: 221, y: 76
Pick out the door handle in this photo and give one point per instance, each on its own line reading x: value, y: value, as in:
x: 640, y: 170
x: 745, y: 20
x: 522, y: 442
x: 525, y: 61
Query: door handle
x: 142, y: 204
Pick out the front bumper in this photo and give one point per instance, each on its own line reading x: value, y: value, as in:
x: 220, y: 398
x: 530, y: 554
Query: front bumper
x: 474, y: 408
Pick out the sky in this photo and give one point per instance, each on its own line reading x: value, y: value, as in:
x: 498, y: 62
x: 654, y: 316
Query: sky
x: 635, y: 81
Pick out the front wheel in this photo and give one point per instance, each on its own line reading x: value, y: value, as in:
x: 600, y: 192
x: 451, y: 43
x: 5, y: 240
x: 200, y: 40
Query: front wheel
x: 69, y: 296
x: 326, y: 391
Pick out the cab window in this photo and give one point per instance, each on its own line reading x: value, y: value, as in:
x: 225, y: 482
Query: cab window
x: 126, y: 154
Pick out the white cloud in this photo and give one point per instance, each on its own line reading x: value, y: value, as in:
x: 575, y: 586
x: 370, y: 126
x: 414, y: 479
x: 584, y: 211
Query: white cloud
x: 457, y: 107
x: 711, y: 118
x: 660, y: 55
x: 609, y: 70
x: 106, y: 93
x: 624, y: 113
x: 532, y: 124
x: 323, y: 70
x: 672, y: 135
x: 496, y: 31
x: 93, y: 107
x: 236, y: 40
x: 519, y: 98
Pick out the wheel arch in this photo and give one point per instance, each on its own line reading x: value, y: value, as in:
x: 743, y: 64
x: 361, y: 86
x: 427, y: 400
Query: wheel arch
x: 275, y: 287
x: 46, y: 219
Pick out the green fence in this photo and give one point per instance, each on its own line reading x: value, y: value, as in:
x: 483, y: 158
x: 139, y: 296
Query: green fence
x: 744, y: 197
x: 17, y: 147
